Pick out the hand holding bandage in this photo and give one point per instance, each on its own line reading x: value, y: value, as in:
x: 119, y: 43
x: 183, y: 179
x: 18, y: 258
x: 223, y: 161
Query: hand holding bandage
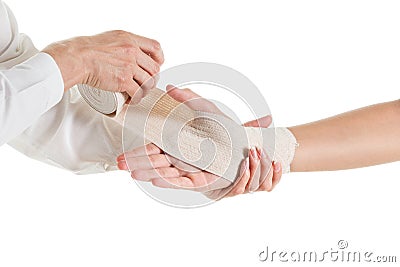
x: 149, y: 163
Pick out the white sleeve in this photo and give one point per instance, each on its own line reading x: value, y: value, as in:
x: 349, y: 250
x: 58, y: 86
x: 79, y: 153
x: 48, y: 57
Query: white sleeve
x: 28, y: 89
x: 73, y: 136
x: 70, y: 135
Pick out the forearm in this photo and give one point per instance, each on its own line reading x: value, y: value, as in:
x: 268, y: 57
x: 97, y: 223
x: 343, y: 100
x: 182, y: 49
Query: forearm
x: 363, y: 137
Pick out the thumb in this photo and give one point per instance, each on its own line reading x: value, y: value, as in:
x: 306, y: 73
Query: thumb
x: 181, y: 95
x: 192, y: 100
x: 263, y: 122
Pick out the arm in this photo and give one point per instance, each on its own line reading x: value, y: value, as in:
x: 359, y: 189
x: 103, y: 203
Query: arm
x: 70, y: 134
x: 359, y: 138
x: 150, y: 163
x: 31, y: 83
x: 355, y: 139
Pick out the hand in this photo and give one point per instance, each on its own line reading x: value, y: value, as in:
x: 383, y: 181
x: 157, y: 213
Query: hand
x: 151, y: 164
x: 114, y: 61
x: 256, y: 173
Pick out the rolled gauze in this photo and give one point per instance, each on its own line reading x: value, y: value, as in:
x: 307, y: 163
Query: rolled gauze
x: 108, y: 103
x: 211, y: 142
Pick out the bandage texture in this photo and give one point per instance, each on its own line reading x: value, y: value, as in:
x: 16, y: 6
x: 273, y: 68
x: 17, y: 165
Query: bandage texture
x: 211, y: 142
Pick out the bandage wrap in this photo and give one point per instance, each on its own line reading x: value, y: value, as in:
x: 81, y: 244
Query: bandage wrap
x: 211, y: 142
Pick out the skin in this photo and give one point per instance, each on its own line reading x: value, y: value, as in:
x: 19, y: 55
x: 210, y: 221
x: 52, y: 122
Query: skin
x: 346, y: 141
x: 114, y: 61
x: 359, y: 138
x: 149, y: 163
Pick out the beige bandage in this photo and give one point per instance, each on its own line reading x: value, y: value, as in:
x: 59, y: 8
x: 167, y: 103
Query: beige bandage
x: 211, y: 142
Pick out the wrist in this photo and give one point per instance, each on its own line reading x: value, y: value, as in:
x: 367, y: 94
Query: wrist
x: 68, y: 60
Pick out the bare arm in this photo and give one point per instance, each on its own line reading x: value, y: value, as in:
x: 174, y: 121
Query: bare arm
x: 359, y: 138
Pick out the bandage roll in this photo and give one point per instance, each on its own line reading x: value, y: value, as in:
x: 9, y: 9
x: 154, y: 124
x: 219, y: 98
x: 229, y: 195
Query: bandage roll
x: 106, y: 102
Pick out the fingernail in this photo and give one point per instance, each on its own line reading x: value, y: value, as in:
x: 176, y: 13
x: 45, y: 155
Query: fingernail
x: 277, y: 166
x: 122, y: 165
x: 121, y: 157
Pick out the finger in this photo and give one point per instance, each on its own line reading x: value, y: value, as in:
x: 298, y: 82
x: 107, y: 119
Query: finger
x: 130, y: 87
x: 152, y: 48
x: 181, y: 95
x: 147, y: 63
x: 267, y: 183
x: 134, y: 91
x: 181, y: 165
x: 149, y: 149
x: 147, y: 175
x: 261, y: 122
x: 265, y: 165
x: 145, y: 162
x: 277, y: 174
x: 137, y: 96
x: 272, y: 179
x: 253, y: 183
x: 142, y: 78
x: 192, y: 100
x: 175, y: 183
x: 240, y: 186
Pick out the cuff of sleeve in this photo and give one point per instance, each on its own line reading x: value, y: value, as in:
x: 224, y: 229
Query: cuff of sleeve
x: 37, y: 78
x: 49, y: 75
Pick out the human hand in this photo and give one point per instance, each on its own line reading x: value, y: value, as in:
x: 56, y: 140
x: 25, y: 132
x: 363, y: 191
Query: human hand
x: 114, y: 61
x: 256, y: 172
x: 152, y: 164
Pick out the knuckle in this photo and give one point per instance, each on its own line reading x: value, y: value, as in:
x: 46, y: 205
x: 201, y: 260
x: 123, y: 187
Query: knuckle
x: 121, y: 80
x: 113, y: 33
x: 156, y: 68
x: 123, y: 34
x: 155, y: 45
x: 128, y: 66
x: 130, y: 49
x: 118, y: 32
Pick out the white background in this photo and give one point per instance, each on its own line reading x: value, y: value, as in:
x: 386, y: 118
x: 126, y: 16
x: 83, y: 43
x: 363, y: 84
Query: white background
x: 311, y: 59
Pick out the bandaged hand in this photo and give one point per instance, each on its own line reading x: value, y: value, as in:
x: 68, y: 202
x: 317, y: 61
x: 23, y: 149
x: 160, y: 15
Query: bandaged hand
x: 153, y: 165
x: 114, y: 61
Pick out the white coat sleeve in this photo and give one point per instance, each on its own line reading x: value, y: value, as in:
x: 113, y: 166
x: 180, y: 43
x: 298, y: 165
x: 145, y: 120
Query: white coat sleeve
x: 70, y: 135
x: 73, y: 136
x: 27, y: 89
